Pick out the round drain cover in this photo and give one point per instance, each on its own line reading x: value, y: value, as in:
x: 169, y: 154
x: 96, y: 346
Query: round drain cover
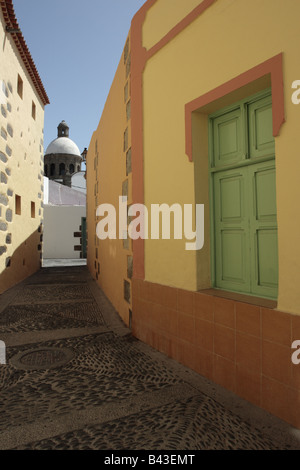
x: 42, y: 358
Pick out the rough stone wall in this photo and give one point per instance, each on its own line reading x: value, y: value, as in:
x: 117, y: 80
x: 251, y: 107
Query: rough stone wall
x: 21, y: 167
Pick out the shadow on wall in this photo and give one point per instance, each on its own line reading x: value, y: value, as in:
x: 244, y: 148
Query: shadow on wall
x: 24, y: 261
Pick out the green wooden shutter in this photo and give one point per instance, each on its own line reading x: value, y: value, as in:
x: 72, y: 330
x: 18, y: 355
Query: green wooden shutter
x: 228, y: 138
x: 244, y: 198
x: 232, y: 230
x: 263, y: 228
x: 261, y: 140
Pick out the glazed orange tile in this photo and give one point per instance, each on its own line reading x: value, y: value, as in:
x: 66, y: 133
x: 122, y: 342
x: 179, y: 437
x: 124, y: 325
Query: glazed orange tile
x: 276, y: 362
x: 168, y: 345
x: 185, y: 301
x: 224, y: 342
x: 225, y: 373
x: 167, y: 319
x: 186, y: 354
x: 204, y: 363
x: 204, y: 334
x: 139, y: 331
x: 203, y: 306
x: 135, y: 288
x: 153, y: 338
x: 142, y: 310
x: 186, y: 327
x: 276, y: 326
x: 163, y: 295
x: 248, y: 319
x: 276, y: 399
x: 248, y: 352
x: 224, y: 312
x: 294, y: 400
x: 157, y: 315
x: 295, y: 327
x: 295, y: 380
x: 248, y: 384
x: 145, y: 291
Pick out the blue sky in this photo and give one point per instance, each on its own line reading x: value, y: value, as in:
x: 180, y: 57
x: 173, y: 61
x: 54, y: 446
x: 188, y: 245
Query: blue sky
x: 76, y: 46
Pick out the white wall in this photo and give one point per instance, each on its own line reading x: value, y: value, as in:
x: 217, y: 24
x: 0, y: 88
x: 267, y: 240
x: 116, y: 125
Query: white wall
x: 60, y: 223
x: 78, y: 181
x: 46, y: 190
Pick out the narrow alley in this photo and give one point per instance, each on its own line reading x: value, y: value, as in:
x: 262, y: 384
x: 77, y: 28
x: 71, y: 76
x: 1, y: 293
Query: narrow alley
x: 76, y: 379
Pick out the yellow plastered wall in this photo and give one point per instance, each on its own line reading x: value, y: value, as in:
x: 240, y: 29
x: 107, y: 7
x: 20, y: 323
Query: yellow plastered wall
x: 172, y: 11
x: 106, y: 173
x: 21, y: 168
x: 228, y: 39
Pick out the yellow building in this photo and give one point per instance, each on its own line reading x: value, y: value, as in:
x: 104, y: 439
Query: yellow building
x: 204, y: 111
x: 23, y: 99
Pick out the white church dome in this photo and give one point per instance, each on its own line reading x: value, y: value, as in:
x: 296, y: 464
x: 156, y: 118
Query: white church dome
x: 63, y: 145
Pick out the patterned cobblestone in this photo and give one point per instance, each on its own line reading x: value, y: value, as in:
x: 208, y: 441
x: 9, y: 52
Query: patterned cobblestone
x: 105, y: 368
x: 183, y: 424
x: 49, y: 316
x: 103, y: 391
x: 33, y: 294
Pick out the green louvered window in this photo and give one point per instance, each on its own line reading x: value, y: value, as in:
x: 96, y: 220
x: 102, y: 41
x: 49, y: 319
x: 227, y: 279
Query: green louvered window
x: 243, y: 198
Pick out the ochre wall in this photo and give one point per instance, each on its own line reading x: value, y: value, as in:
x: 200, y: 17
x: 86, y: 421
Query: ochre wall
x: 164, y: 16
x: 177, y: 58
x: 214, y: 56
x: 21, y: 168
x: 106, y: 173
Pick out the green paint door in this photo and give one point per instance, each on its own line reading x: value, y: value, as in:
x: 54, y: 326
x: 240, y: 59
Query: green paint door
x: 243, y: 193
x: 232, y: 257
x: 263, y: 229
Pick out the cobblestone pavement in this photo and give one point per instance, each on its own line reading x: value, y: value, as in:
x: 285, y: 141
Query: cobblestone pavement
x: 76, y: 379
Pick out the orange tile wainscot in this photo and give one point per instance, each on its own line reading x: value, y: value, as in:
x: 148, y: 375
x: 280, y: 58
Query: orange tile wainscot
x: 242, y: 347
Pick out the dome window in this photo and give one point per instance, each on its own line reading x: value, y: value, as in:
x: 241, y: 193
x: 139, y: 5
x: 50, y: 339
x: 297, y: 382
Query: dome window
x: 62, y: 169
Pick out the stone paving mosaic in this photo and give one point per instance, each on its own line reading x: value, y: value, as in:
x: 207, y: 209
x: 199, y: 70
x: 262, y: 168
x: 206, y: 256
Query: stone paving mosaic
x: 44, y: 383
x: 58, y: 276
x: 198, y: 423
x: 32, y: 294
x: 56, y: 279
x: 52, y: 316
x: 105, y: 368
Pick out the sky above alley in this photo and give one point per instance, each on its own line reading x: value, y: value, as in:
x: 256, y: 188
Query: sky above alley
x: 76, y: 46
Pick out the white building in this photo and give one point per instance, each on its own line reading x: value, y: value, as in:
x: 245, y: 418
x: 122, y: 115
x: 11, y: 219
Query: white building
x: 64, y: 222
x: 64, y: 199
